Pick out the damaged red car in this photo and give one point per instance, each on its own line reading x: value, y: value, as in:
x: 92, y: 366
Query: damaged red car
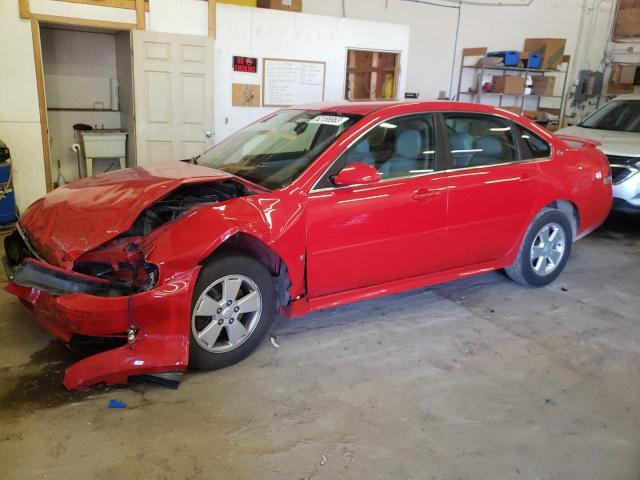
x: 185, y: 264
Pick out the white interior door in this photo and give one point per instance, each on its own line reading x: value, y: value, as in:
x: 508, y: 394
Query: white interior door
x: 173, y: 82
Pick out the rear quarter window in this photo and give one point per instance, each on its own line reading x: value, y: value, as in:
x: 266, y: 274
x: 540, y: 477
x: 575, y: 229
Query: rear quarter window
x: 536, y: 146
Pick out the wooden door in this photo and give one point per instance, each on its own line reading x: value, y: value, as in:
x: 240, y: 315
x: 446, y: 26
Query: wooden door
x: 173, y: 89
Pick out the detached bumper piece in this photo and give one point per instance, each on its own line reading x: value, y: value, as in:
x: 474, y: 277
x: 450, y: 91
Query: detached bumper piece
x: 153, y: 325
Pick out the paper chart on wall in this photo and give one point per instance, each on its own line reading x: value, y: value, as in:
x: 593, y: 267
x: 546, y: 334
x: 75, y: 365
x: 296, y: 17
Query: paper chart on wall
x: 292, y: 82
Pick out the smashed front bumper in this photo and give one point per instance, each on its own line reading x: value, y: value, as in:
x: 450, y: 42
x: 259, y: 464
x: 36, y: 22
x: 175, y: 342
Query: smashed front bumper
x: 154, y: 325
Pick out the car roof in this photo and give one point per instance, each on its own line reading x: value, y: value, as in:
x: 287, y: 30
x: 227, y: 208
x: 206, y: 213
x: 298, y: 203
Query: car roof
x: 631, y: 96
x: 366, y: 108
x: 401, y: 108
x: 349, y: 108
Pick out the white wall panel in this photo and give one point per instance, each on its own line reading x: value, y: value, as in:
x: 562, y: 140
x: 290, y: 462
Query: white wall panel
x: 270, y: 33
x: 431, y: 36
x: 18, y: 94
x: 77, y: 10
x: 178, y: 16
x: 19, y: 113
x: 433, y: 31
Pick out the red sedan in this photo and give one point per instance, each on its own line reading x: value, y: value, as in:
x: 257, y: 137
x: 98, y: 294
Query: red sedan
x: 311, y: 207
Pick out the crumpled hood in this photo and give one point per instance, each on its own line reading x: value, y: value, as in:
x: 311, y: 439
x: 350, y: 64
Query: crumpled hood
x: 624, y: 144
x: 81, y: 216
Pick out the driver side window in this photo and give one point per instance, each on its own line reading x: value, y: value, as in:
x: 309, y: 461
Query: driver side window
x: 400, y: 147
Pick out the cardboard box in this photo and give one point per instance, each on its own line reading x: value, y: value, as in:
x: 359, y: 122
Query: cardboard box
x: 551, y: 50
x: 245, y: 3
x: 627, y: 74
x: 627, y: 21
x: 544, y: 86
x: 536, y: 116
x: 516, y: 110
x: 289, y: 5
x: 509, y: 84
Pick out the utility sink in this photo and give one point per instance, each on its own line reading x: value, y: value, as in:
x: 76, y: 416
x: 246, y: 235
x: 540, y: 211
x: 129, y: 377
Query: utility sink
x: 105, y: 143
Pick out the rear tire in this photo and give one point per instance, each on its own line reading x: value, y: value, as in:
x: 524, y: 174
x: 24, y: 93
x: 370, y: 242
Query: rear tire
x: 545, y: 250
x: 232, y: 309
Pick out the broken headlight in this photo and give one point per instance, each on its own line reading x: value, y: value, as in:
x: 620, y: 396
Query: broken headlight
x: 124, y: 265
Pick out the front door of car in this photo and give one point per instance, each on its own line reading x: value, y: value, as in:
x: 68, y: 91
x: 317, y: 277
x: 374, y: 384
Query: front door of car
x: 493, y: 190
x: 365, y: 235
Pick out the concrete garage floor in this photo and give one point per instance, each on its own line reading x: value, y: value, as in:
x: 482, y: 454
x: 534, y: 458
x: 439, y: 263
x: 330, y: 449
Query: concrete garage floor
x: 477, y: 379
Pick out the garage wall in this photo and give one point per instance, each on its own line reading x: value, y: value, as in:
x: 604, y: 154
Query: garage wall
x: 432, y: 35
x: 435, y: 46
x: 270, y: 33
x: 19, y: 113
x: 179, y: 16
x: 77, y: 10
x: 241, y: 32
x: 257, y: 32
x: 428, y: 68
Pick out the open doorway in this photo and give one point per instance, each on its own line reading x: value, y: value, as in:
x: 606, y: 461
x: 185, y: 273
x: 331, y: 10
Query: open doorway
x: 170, y: 116
x: 88, y: 90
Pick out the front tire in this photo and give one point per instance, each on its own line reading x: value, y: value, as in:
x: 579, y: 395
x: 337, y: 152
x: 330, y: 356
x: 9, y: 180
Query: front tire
x: 232, y: 309
x: 545, y: 250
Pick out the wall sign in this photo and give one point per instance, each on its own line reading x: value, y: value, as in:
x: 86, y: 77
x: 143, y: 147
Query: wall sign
x: 245, y: 64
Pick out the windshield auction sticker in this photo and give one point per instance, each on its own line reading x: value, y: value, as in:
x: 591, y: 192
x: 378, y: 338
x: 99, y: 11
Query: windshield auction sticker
x: 334, y: 120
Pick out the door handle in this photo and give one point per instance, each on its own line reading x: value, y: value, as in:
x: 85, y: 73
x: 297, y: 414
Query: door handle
x: 525, y: 177
x: 425, y: 194
x: 208, y: 134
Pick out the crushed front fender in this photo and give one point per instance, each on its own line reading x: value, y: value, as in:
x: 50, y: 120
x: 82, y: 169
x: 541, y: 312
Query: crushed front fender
x: 154, y: 323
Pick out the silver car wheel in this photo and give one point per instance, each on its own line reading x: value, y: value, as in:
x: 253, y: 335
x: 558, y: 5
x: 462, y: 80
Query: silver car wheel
x: 548, y: 249
x: 226, y: 313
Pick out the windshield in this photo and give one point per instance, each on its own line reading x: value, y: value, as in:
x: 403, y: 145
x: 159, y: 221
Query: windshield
x: 274, y: 151
x: 619, y: 115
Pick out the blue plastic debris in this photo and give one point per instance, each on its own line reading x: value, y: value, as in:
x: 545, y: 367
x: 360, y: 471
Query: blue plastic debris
x: 117, y: 404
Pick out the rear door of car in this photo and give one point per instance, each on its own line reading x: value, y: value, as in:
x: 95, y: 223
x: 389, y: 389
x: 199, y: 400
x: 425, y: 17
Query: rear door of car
x: 494, y: 181
x: 365, y: 235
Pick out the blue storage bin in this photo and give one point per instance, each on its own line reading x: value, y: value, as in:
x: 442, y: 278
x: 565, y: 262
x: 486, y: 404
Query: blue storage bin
x: 7, y: 202
x: 8, y: 208
x: 510, y: 58
x: 5, y: 171
x: 535, y: 60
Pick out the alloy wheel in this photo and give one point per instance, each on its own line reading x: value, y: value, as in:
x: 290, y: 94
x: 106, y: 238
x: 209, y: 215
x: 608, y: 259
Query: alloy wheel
x: 226, y: 313
x: 548, y: 249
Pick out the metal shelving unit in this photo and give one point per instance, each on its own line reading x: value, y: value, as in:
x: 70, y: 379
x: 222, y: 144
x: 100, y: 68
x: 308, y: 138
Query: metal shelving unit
x: 476, y: 95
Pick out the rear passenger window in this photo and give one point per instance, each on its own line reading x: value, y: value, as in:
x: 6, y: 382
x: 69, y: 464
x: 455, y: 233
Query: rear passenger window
x: 477, y: 140
x: 538, y: 148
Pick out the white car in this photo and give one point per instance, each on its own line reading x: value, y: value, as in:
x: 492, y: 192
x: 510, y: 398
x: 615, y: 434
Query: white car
x: 616, y: 126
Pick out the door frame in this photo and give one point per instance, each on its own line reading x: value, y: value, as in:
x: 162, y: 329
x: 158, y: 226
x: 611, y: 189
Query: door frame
x: 36, y: 20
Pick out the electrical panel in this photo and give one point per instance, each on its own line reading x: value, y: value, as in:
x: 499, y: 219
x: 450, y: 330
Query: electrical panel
x: 589, y: 86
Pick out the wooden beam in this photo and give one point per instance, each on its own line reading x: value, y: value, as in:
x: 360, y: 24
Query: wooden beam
x: 42, y: 102
x: 83, y: 22
x: 140, y: 17
x: 23, y: 9
x: 128, y: 4
x: 212, y: 18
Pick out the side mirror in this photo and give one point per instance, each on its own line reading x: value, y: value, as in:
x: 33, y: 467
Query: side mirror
x: 357, y: 173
